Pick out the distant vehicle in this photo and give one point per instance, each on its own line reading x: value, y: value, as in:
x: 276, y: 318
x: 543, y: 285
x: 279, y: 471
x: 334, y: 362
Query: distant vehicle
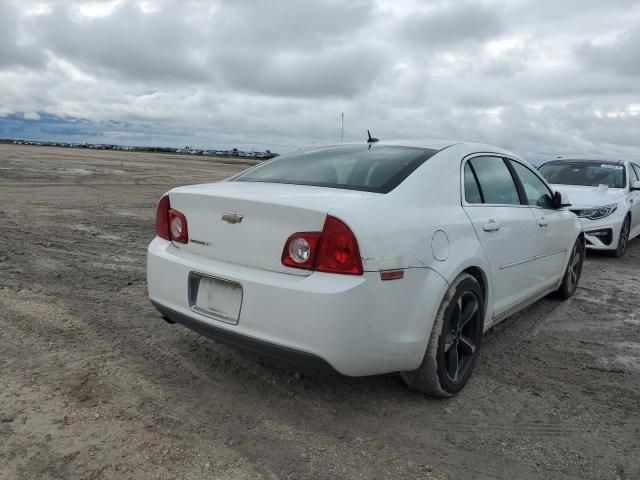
x: 606, y: 197
x: 369, y: 258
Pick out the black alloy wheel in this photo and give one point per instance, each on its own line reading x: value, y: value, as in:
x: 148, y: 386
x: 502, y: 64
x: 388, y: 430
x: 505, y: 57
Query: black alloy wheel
x: 575, y: 268
x: 573, y: 272
x: 461, y: 338
x: 454, y: 342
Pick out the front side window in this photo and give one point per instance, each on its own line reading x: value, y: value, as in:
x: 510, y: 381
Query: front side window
x: 371, y: 168
x: 589, y: 174
x: 535, y: 190
x: 495, y: 181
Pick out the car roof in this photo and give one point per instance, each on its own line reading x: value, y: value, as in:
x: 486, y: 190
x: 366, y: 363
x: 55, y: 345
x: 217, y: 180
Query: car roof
x: 468, y: 147
x: 585, y: 160
x: 464, y: 148
x: 430, y: 144
x: 427, y: 144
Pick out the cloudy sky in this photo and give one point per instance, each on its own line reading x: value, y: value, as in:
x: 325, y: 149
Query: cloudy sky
x: 539, y: 77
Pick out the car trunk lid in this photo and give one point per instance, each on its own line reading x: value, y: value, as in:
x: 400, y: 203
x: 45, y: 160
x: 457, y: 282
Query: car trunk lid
x: 248, y: 223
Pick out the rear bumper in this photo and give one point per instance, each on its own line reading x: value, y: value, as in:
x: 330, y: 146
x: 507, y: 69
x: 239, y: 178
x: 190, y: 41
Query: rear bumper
x: 359, y: 325
x: 254, y: 345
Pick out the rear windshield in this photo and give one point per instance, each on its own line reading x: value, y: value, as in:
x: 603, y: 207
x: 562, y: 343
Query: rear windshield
x: 590, y: 174
x: 375, y: 168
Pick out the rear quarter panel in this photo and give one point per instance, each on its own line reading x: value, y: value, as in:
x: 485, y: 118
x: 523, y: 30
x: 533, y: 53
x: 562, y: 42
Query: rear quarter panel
x: 396, y: 231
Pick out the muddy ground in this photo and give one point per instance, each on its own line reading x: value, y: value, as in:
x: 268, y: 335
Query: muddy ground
x: 93, y: 384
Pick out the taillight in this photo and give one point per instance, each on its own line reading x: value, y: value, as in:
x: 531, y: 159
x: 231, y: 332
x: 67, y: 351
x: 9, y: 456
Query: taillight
x: 334, y: 250
x: 170, y: 224
x: 338, y: 249
x: 300, y: 250
x: 162, y: 218
x: 178, y: 226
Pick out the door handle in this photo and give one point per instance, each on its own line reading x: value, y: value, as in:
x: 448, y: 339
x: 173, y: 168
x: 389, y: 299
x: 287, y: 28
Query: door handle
x: 492, y: 226
x: 543, y: 222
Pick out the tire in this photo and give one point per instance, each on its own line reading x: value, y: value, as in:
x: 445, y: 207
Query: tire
x: 444, y: 372
x: 573, y: 272
x: 623, y: 239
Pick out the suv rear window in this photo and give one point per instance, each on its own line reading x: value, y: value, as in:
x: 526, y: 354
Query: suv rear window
x: 374, y: 168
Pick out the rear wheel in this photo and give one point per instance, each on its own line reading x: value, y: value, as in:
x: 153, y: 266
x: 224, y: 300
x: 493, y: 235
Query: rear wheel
x: 454, y: 344
x: 623, y: 240
x: 573, y: 272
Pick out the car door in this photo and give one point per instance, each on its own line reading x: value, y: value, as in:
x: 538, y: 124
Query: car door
x: 634, y: 199
x: 555, y: 226
x: 506, y: 229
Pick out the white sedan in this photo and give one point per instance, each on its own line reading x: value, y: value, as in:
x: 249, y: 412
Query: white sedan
x: 606, y: 197
x: 369, y: 258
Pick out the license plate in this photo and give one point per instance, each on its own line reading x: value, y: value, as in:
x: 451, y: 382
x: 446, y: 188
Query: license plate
x: 215, y: 297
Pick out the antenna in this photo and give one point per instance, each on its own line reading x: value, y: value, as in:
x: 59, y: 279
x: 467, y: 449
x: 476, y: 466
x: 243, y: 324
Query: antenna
x: 342, y: 127
x: 371, y: 139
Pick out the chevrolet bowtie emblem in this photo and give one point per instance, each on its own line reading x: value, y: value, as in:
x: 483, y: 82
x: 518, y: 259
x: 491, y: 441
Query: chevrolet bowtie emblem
x: 232, y: 218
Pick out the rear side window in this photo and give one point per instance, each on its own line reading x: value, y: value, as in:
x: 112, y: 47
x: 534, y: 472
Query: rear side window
x: 371, y: 168
x: 495, y: 181
x: 535, y: 190
x: 471, y: 191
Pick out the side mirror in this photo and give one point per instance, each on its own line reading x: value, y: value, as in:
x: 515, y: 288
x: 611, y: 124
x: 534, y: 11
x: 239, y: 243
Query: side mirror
x: 560, y: 200
x: 635, y: 185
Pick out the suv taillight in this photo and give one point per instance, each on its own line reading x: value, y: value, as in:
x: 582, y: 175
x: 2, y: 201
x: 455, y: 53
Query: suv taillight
x: 170, y: 224
x: 334, y: 250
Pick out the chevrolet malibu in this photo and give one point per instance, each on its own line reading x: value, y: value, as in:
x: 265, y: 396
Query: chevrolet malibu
x: 369, y: 258
x: 606, y: 197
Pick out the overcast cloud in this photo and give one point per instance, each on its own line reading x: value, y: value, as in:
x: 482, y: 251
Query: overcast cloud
x: 538, y: 77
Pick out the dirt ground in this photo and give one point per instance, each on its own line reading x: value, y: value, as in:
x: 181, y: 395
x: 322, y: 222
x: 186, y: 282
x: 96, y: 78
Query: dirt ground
x: 93, y: 384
